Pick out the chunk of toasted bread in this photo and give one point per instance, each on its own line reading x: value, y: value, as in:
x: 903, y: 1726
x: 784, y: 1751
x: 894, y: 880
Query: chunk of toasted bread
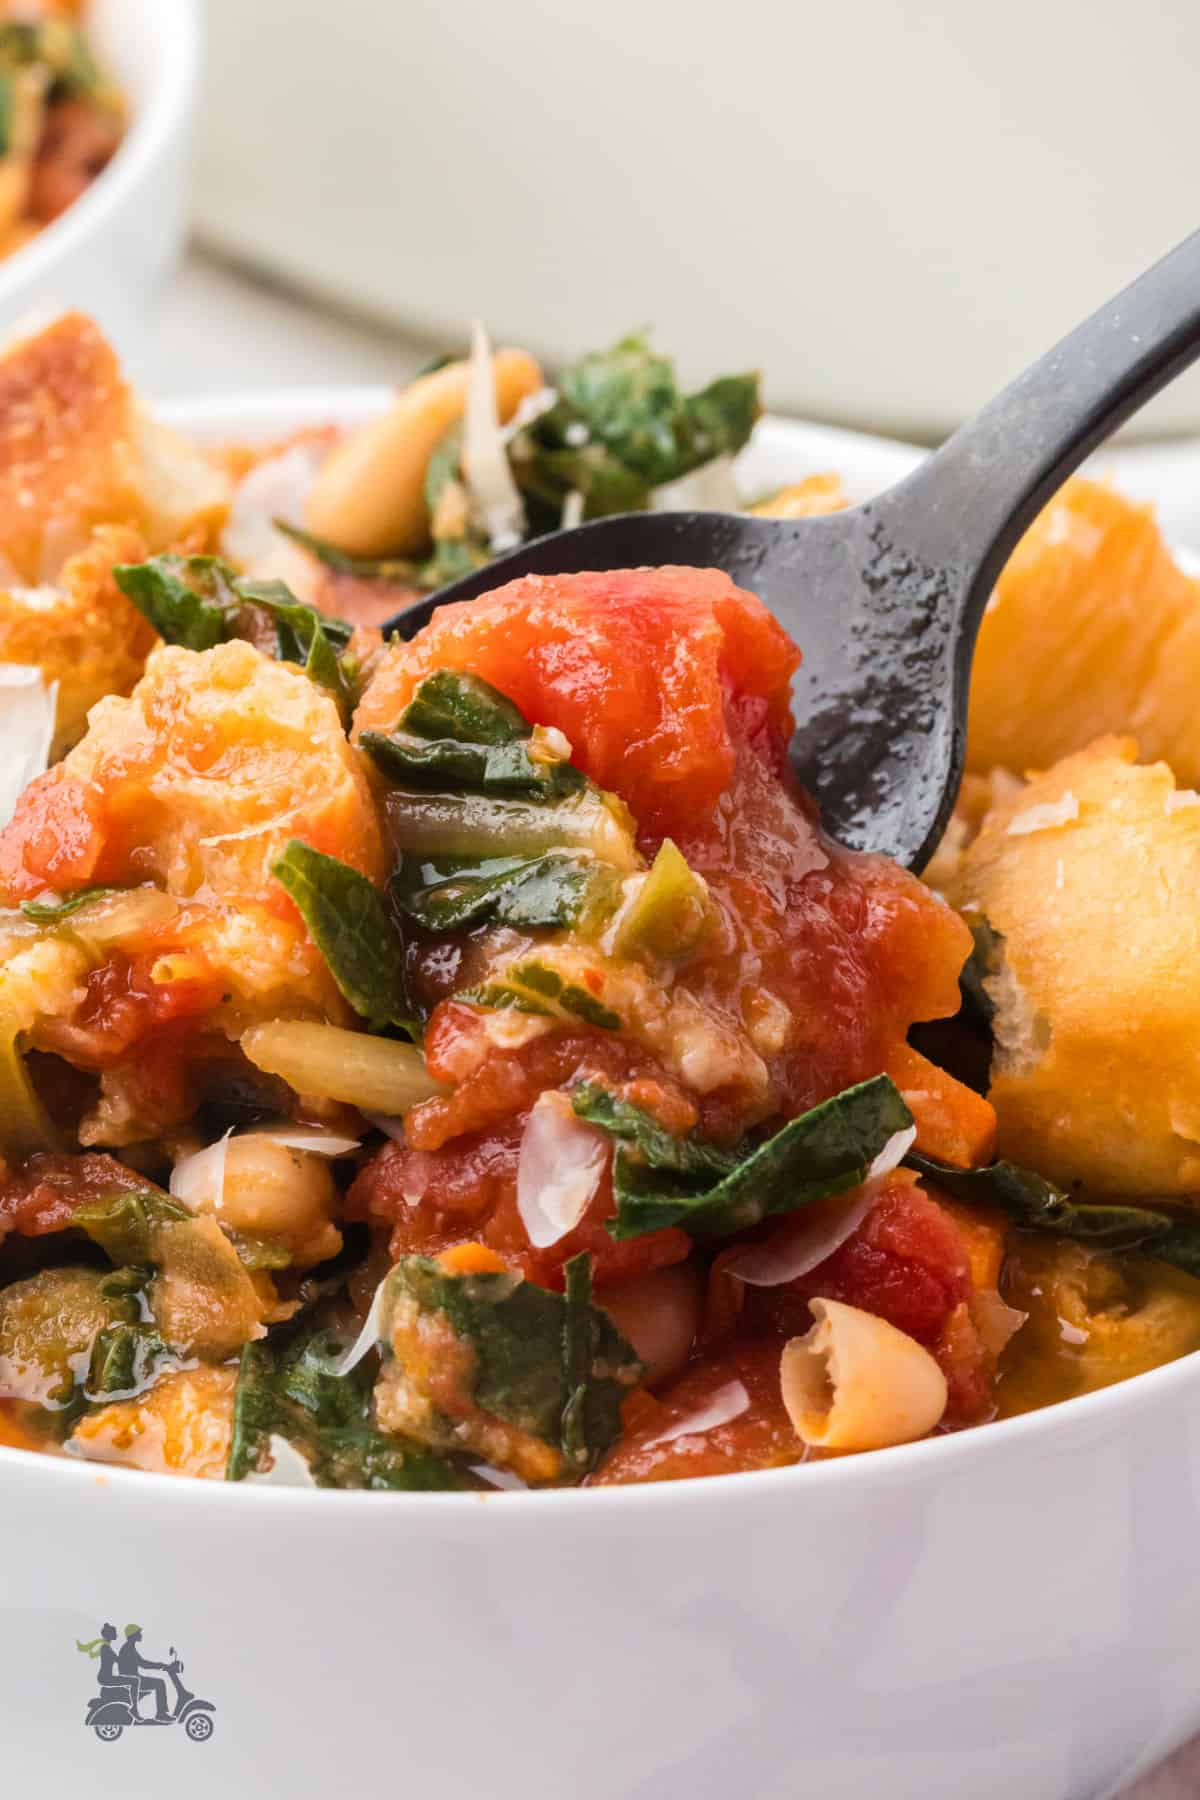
x: 76, y: 452
x: 180, y: 1426
x: 82, y: 633
x: 1089, y: 875
x: 1093, y: 628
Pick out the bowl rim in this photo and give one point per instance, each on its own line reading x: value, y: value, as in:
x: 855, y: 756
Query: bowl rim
x: 171, y: 89
x: 222, y: 417
x: 929, y: 1460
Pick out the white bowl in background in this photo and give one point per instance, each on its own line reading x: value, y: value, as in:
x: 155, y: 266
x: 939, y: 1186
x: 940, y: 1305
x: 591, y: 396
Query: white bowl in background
x: 1005, y: 1612
x: 891, y: 209
x: 108, y: 253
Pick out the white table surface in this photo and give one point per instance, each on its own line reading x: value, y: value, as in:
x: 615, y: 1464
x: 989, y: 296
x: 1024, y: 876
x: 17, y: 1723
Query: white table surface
x: 220, y: 331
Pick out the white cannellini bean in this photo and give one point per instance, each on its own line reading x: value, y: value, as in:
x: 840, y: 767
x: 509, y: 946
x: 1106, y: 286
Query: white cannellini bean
x: 369, y: 497
x: 659, y: 1313
x: 856, y: 1383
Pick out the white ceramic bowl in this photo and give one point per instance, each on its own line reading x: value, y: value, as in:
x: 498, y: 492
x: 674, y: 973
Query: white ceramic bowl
x: 1008, y: 1612
x: 109, y: 252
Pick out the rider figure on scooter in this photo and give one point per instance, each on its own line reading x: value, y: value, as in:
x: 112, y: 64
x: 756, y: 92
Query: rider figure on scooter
x: 131, y: 1663
x: 105, y: 1654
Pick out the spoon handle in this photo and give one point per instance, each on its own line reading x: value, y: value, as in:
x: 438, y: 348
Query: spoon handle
x: 968, y: 504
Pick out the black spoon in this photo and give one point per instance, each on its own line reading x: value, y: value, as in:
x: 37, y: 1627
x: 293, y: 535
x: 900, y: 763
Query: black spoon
x: 885, y: 599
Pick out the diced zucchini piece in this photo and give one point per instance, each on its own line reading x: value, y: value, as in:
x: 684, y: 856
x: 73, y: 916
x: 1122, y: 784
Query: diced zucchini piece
x: 373, y: 1073
x: 669, y: 914
x: 481, y: 825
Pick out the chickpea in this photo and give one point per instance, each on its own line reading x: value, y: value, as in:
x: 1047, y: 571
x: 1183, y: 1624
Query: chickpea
x: 856, y: 1383
x: 659, y: 1313
x: 369, y: 497
x: 271, y: 1190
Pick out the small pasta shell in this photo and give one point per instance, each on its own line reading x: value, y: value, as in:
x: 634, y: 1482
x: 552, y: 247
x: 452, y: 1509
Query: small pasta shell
x: 856, y: 1383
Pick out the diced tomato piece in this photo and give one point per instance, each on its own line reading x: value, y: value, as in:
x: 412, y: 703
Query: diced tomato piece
x: 969, y: 1368
x: 494, y: 1084
x: 44, y: 1194
x: 658, y: 1446
x: 122, y: 1006
x: 55, y: 839
x: 632, y: 664
x: 853, y: 947
x: 911, y: 1263
x: 467, y: 1191
x: 906, y: 1262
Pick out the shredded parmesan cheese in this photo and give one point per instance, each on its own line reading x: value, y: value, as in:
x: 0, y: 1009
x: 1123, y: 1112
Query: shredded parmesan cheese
x: 729, y: 1402
x: 495, y: 497
x: 287, y: 1468
x: 27, y: 713
x: 199, y: 1179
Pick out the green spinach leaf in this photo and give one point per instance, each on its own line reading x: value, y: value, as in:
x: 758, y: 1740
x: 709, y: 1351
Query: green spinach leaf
x: 660, y: 1180
x: 551, y: 1364
x: 547, y: 473
x: 645, y: 1141
x: 8, y: 107
x: 1162, y: 1230
x: 591, y: 1417
x: 453, y: 557
x: 50, y: 912
x: 52, y: 1323
x: 568, y: 996
x: 125, y: 1222
x: 189, y: 600
x: 256, y: 1250
x: 127, y: 1358
x: 534, y: 987
x: 628, y: 400
x: 307, y: 637
x: 459, y: 547
x: 460, y: 733
x: 620, y: 427
x: 292, y: 1391
x: 350, y: 925
x: 503, y: 769
x: 717, y: 421
x: 452, y: 704
x: 199, y: 601
x: 985, y: 960
x: 560, y: 889
x: 503, y: 998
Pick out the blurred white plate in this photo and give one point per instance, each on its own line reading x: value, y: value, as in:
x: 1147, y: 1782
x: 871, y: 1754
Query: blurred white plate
x: 781, y: 450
